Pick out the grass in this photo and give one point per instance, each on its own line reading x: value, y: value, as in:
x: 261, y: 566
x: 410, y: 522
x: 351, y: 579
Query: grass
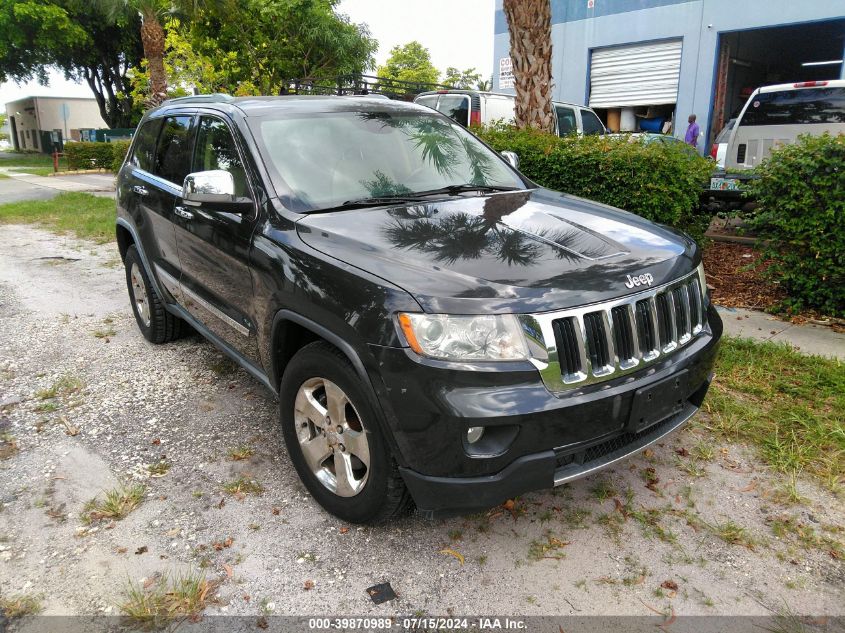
x: 85, y: 216
x: 793, y: 527
x: 159, y: 468
x: 791, y: 407
x: 116, y: 504
x: 242, y: 486
x: 64, y: 386
x: 106, y: 332
x: 39, y: 164
x: 549, y: 547
x: 8, y: 446
x: 19, y: 606
x: 167, y: 600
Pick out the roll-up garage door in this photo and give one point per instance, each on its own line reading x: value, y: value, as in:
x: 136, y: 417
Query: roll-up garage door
x: 641, y: 74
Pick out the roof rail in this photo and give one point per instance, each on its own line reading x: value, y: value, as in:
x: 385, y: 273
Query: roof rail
x: 217, y: 96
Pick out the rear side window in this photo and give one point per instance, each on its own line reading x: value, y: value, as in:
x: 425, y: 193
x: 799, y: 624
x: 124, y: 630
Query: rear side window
x: 429, y: 101
x: 796, y: 107
x: 592, y: 124
x: 173, y: 157
x: 565, y: 120
x: 455, y: 106
x: 143, y: 154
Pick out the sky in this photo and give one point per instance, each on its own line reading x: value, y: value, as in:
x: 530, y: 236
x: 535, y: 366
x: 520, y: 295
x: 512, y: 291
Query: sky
x: 458, y: 33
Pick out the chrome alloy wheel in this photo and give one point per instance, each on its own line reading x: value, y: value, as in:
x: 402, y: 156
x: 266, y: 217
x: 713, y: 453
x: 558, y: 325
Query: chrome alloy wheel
x: 139, y: 295
x: 331, y: 437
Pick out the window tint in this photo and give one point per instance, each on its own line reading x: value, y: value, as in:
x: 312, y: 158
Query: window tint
x: 565, y: 120
x: 796, y: 107
x: 591, y: 123
x: 455, y: 106
x: 216, y: 150
x: 173, y: 157
x: 428, y: 101
x: 143, y: 154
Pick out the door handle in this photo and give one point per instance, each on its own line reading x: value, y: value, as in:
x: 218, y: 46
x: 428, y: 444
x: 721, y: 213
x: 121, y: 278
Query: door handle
x: 141, y: 191
x: 182, y: 212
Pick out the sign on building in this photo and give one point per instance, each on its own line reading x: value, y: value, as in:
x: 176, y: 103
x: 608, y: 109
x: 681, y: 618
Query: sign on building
x: 505, y: 73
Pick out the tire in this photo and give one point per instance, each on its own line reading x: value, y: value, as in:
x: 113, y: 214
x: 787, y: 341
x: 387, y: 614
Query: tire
x: 155, y: 322
x: 369, y: 493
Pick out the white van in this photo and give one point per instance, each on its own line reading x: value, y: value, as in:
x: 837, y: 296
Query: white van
x: 776, y: 115
x: 473, y: 107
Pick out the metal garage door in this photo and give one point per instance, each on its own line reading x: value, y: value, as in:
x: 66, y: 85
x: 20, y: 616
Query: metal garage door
x: 642, y: 74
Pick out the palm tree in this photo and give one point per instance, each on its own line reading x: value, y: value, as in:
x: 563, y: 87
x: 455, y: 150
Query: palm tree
x: 530, y: 27
x: 153, y: 13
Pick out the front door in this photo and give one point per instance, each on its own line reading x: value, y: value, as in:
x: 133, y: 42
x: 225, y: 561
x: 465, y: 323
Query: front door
x: 214, y: 246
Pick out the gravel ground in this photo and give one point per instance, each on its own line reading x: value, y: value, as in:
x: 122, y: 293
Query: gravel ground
x: 603, y: 545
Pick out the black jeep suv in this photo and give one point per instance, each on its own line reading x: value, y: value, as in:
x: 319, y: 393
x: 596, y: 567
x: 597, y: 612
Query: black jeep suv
x: 439, y: 329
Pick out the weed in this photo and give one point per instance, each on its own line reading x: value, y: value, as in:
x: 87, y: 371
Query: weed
x: 703, y: 451
x: 734, y: 534
x: 482, y: 560
x: 603, y: 490
x: 66, y: 385
x: 167, y: 600
x: 549, y: 547
x: 242, y: 486
x: 104, y: 332
x: 581, y: 584
x: 46, y: 407
x: 576, y: 519
x: 240, y: 453
x: 455, y: 535
x: 19, y: 606
x: 8, y: 446
x: 116, y: 505
x: 159, y: 468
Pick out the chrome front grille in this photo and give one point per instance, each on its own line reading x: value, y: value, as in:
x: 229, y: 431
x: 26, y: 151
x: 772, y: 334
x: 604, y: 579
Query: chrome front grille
x: 593, y: 343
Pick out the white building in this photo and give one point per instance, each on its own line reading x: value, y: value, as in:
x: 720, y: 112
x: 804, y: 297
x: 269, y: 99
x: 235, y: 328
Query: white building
x: 43, y: 123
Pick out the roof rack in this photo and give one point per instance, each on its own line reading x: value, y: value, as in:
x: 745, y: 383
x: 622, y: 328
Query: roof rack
x: 217, y: 96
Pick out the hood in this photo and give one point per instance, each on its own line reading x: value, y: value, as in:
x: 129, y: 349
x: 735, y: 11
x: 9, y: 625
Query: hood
x: 524, y: 251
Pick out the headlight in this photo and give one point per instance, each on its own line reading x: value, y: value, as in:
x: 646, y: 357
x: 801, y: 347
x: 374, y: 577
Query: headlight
x: 465, y: 338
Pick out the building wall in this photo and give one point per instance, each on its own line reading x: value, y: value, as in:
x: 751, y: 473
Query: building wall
x: 46, y: 114
x: 576, y: 29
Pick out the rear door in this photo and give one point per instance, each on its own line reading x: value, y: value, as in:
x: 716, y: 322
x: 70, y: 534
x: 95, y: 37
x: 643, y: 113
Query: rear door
x: 455, y: 106
x: 590, y: 123
x: 214, y: 244
x: 152, y: 183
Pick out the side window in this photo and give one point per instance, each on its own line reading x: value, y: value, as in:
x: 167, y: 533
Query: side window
x: 456, y: 107
x: 565, y: 120
x: 173, y: 157
x: 796, y: 107
x: 216, y: 150
x: 429, y: 101
x: 591, y: 123
x: 143, y: 154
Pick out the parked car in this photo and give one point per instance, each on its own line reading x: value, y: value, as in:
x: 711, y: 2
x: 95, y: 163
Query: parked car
x: 438, y: 328
x: 474, y: 107
x: 772, y: 116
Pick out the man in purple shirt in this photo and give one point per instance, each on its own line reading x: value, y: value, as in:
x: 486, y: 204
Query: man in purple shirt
x: 692, y: 132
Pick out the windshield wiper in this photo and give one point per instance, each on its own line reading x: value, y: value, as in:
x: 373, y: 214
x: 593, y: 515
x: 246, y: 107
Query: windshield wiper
x: 373, y: 202
x: 456, y: 189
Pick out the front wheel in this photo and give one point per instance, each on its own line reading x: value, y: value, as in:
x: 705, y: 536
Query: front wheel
x: 334, y: 441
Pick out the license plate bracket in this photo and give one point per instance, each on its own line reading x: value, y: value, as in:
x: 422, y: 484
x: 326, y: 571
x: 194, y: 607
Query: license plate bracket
x: 658, y: 401
x: 724, y: 184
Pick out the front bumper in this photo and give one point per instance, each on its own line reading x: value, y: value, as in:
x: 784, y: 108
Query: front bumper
x: 547, y: 439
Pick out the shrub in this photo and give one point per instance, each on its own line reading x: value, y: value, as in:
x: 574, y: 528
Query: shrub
x: 119, y: 150
x: 89, y: 155
x: 800, y: 221
x: 659, y: 181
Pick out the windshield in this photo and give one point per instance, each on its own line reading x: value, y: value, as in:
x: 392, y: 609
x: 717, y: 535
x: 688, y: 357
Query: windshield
x: 323, y: 160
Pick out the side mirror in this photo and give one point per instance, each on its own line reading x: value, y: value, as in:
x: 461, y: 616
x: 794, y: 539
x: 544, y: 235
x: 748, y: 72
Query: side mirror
x: 214, y: 187
x: 512, y: 158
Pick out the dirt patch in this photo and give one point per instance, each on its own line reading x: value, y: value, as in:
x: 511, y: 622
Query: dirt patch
x: 686, y: 527
x: 736, y: 276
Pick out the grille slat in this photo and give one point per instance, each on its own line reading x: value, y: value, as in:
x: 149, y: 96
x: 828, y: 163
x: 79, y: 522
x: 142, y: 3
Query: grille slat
x: 598, y: 343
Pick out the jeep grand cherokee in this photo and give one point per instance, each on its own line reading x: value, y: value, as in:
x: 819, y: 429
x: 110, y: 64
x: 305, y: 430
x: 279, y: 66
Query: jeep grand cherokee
x: 439, y: 329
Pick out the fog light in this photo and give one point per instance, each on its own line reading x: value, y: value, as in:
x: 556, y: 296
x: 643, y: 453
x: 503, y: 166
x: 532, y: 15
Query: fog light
x: 474, y: 434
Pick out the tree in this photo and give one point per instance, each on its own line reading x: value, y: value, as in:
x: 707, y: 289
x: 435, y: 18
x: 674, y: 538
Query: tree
x: 273, y: 41
x: 464, y: 80
x: 484, y: 85
x: 410, y: 62
x: 529, y: 25
x: 75, y: 37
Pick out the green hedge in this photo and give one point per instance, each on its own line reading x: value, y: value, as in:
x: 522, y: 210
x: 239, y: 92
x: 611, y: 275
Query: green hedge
x: 801, y: 221
x: 89, y: 155
x: 659, y: 181
x: 119, y: 150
